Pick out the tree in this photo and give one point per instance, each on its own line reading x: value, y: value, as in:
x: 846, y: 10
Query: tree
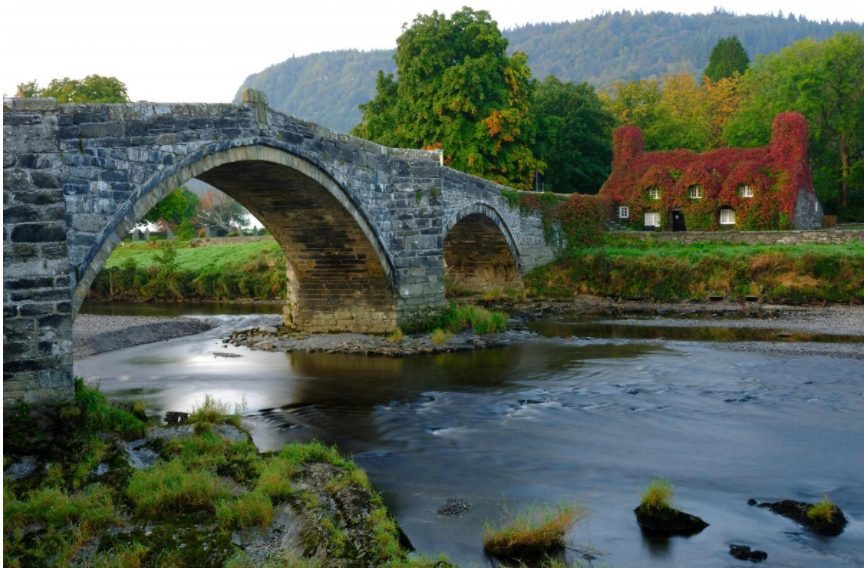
x: 457, y: 89
x: 824, y: 82
x: 728, y: 58
x: 91, y: 89
x: 220, y: 212
x: 574, y: 132
x: 175, y: 209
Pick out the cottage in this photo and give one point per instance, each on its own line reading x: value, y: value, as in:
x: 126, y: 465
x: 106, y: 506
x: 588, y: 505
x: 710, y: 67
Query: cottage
x: 730, y: 188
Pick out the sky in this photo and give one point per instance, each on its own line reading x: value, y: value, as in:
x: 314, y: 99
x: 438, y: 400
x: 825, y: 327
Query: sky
x: 202, y: 50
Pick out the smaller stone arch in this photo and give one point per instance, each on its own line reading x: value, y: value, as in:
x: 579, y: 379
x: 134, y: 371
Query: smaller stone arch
x: 480, y: 253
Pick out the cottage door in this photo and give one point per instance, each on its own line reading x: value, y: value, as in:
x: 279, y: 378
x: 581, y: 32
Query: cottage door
x: 678, y: 223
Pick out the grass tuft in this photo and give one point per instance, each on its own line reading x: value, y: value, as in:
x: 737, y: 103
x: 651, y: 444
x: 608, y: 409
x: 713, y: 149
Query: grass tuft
x: 822, y: 510
x: 248, y: 510
x: 397, y: 336
x: 99, y: 416
x: 456, y: 318
x: 532, y: 535
x: 657, y: 496
x: 439, y: 336
x: 171, y: 487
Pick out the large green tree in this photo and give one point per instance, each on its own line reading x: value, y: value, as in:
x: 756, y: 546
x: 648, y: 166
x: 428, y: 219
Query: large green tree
x: 91, y: 89
x: 177, y: 208
x: 457, y: 89
x: 728, y: 58
x: 573, y: 136
x: 824, y: 82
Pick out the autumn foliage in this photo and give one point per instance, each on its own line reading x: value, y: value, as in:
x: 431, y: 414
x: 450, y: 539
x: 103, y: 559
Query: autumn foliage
x: 775, y: 175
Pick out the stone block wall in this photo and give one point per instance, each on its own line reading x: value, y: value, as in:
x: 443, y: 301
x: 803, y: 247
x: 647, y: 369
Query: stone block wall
x: 826, y: 236
x: 37, y: 312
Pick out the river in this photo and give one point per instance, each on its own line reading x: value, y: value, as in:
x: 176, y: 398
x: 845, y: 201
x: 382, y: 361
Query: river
x: 560, y: 416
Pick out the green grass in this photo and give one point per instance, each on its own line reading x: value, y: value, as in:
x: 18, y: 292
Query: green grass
x: 101, y: 416
x: 172, y: 486
x: 94, y: 506
x: 439, y: 336
x: 657, y: 496
x: 214, y: 411
x: 457, y: 318
x: 633, y: 268
x: 531, y: 535
x: 823, y: 510
x: 206, y: 258
x: 248, y: 510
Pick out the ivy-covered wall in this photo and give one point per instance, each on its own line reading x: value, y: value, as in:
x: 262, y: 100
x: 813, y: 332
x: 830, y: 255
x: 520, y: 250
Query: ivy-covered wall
x: 777, y: 176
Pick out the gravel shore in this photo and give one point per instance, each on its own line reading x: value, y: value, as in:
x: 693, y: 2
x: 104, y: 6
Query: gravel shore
x: 98, y: 334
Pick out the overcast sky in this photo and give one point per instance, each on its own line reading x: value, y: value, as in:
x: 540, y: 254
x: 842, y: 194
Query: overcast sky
x: 202, y: 50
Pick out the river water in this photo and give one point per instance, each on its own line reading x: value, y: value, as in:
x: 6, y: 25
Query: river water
x: 551, y: 419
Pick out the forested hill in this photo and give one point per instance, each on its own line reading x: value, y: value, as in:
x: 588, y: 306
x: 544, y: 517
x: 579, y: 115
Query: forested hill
x: 327, y: 87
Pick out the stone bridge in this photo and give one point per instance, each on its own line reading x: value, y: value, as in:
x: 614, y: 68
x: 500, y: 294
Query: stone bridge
x: 369, y: 233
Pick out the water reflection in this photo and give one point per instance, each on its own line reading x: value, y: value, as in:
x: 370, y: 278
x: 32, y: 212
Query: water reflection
x: 686, y: 333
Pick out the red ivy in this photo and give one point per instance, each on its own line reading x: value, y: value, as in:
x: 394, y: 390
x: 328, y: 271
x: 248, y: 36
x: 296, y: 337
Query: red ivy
x: 776, y: 173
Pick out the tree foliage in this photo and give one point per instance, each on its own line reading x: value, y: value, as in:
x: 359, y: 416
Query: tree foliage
x: 175, y: 209
x: 824, y: 82
x: 218, y: 211
x: 573, y: 136
x: 457, y: 89
x: 728, y: 58
x: 620, y: 46
x: 91, y: 89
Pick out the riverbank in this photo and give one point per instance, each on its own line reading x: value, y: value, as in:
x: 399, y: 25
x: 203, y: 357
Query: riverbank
x: 92, y: 484
x: 98, y: 334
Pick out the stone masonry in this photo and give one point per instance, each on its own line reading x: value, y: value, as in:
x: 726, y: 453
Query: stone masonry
x: 367, y: 231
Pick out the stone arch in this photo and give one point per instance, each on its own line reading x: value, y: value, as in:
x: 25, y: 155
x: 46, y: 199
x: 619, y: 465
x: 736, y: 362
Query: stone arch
x: 340, y: 277
x: 479, y: 251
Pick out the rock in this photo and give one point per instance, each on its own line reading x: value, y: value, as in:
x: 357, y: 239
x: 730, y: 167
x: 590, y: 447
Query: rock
x: 101, y: 469
x: 227, y: 355
x: 798, y: 511
x: 752, y: 502
x: 669, y: 521
x: 172, y: 417
x: 231, y: 433
x: 138, y: 455
x: 184, y: 431
x: 742, y: 552
x: 453, y: 508
x: 21, y: 469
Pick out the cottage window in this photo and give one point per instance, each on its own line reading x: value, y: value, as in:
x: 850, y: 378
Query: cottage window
x: 624, y: 212
x: 654, y: 193
x: 746, y: 191
x: 728, y: 217
x: 652, y: 219
x: 695, y: 192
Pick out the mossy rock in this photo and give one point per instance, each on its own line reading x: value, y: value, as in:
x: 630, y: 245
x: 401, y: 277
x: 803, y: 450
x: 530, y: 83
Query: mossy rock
x: 668, y: 521
x: 798, y: 511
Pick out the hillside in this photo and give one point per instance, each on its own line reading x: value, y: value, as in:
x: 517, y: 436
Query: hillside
x: 327, y: 87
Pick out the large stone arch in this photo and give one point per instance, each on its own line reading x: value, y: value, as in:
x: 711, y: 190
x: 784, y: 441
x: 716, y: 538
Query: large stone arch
x: 480, y: 253
x: 340, y: 276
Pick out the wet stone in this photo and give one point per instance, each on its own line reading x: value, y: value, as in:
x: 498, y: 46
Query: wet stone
x: 453, y: 508
x: 138, y: 455
x: 742, y: 552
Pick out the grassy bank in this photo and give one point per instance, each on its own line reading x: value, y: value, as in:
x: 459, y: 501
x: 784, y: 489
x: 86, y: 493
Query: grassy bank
x: 83, y: 504
x: 632, y: 268
x: 616, y: 267
x: 179, y: 270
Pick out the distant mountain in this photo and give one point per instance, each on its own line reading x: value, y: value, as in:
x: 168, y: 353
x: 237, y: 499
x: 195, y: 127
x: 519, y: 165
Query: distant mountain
x: 327, y: 87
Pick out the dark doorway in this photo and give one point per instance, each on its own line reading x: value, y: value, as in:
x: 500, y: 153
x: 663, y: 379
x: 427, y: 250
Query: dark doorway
x: 678, y: 223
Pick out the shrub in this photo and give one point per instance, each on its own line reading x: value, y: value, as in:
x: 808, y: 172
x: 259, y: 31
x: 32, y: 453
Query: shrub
x: 531, y: 535
x: 657, y: 496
